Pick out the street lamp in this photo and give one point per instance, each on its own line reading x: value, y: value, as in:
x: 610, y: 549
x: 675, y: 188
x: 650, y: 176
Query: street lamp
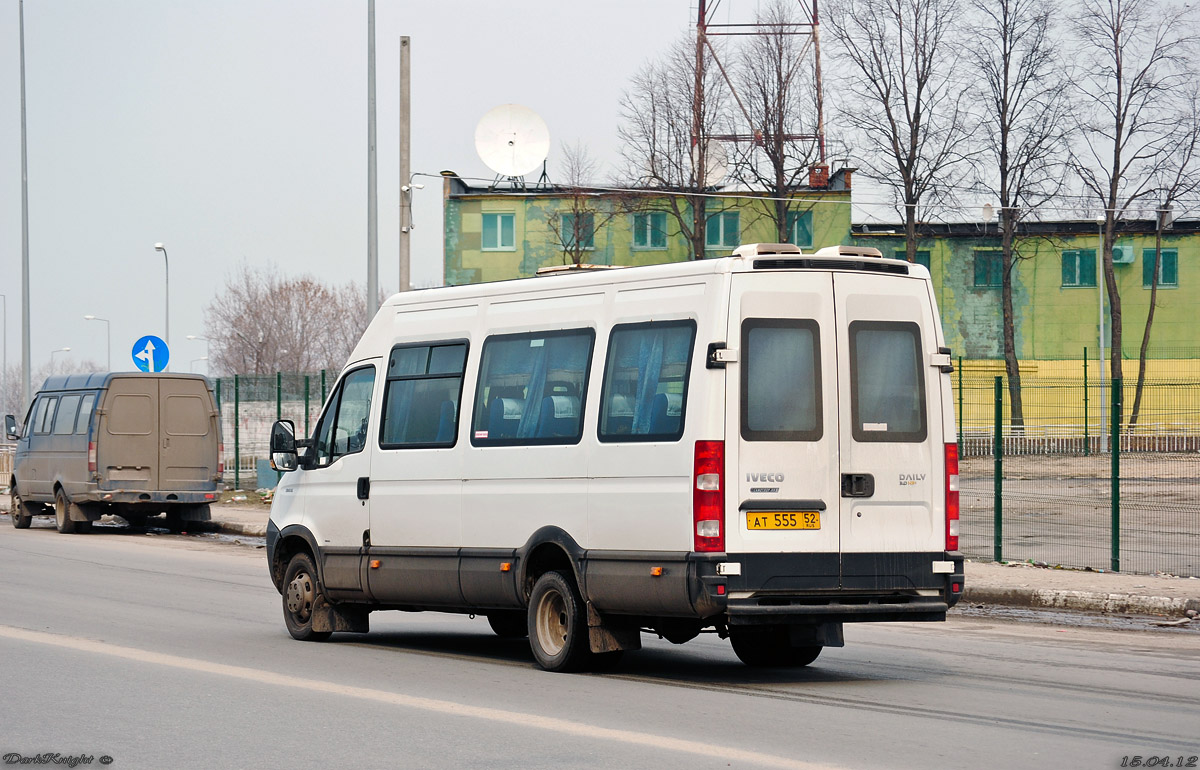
x: 406, y: 228
x: 108, y: 336
x: 4, y: 371
x: 52, y: 352
x: 167, y: 298
x: 202, y: 339
x: 197, y: 360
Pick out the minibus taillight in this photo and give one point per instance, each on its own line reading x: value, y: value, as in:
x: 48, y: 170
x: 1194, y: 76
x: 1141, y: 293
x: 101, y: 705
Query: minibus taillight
x: 952, y: 497
x: 220, y: 459
x: 708, y: 496
x: 91, y: 457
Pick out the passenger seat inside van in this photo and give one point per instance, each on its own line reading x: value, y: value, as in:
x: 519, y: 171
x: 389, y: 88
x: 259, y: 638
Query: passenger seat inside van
x: 664, y: 413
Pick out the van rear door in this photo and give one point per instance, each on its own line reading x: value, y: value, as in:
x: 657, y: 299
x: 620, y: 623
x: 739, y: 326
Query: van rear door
x: 127, y: 439
x: 188, y: 449
x: 782, y: 420
x: 891, y: 446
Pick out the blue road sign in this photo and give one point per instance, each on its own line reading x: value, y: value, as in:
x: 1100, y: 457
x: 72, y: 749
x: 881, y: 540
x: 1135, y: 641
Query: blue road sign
x: 150, y: 354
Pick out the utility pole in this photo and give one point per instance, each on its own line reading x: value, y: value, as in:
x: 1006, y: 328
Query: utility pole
x: 372, y: 203
x: 405, y: 165
x: 26, y: 369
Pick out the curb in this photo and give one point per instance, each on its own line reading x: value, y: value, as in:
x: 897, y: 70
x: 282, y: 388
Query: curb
x: 237, y: 528
x: 1086, y: 601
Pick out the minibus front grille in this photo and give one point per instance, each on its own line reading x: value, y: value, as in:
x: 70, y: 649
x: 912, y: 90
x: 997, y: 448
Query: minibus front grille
x: 813, y: 263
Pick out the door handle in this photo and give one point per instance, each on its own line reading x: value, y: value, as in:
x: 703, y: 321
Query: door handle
x: 858, y: 485
x: 364, y: 487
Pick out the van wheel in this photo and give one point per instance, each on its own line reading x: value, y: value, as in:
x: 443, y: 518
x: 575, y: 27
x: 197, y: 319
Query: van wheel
x: 558, y: 631
x: 509, y: 625
x: 771, y: 648
x: 300, y: 595
x: 62, y: 516
x: 18, y: 510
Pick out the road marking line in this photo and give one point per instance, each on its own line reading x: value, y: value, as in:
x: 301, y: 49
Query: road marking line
x: 449, y: 708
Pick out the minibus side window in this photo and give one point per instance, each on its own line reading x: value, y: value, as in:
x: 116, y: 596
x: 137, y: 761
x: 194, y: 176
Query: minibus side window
x: 644, y: 397
x: 887, y: 382
x: 421, y: 401
x: 781, y: 380
x: 532, y: 388
x: 68, y: 409
x: 85, y: 413
x: 343, y: 428
x: 45, y: 415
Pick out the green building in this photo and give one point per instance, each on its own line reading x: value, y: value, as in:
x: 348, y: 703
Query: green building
x: 502, y: 233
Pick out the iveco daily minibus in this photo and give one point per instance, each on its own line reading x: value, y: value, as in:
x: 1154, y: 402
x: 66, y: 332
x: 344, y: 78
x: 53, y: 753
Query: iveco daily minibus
x: 760, y: 446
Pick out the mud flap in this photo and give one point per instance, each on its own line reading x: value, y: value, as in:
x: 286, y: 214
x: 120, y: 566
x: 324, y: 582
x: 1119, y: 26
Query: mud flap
x: 77, y: 512
x: 821, y: 634
x: 327, y: 617
x: 604, y: 637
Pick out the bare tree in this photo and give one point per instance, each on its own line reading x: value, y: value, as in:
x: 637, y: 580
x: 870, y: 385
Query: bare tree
x: 666, y: 141
x: 1135, y: 56
x: 262, y: 323
x: 587, y: 209
x: 1024, y: 118
x: 1179, y: 178
x: 777, y: 96
x: 10, y: 382
x: 901, y: 97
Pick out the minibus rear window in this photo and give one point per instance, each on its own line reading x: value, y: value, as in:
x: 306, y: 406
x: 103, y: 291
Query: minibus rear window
x: 781, y: 380
x: 645, y: 381
x: 532, y: 388
x: 887, y: 383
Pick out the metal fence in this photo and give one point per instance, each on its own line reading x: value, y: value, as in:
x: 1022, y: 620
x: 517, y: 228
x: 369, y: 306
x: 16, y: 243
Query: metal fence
x: 1076, y: 485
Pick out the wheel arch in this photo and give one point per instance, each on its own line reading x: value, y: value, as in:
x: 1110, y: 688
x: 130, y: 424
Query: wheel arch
x: 293, y: 539
x: 549, y: 548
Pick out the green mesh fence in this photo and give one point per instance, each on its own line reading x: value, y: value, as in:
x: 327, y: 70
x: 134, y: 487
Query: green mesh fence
x: 1059, y: 497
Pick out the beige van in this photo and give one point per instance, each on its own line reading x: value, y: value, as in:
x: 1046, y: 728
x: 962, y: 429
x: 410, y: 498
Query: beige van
x: 132, y: 444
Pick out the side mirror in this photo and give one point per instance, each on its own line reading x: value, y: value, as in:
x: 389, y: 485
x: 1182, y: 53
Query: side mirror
x: 283, y: 446
x: 10, y: 428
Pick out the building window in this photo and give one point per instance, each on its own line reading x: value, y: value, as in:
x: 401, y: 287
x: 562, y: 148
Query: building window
x: 799, y: 229
x: 579, y: 228
x: 1168, y: 268
x: 499, y: 232
x: 1079, y: 267
x: 922, y: 257
x: 650, y: 230
x: 722, y: 230
x: 989, y: 269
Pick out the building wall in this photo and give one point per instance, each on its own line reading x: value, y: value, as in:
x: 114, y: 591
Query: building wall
x: 536, y: 244
x: 1052, y: 321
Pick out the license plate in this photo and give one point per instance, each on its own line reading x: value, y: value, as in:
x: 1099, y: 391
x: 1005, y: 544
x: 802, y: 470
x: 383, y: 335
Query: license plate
x: 783, y: 520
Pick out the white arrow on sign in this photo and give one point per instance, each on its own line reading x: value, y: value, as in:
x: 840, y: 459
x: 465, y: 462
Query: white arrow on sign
x: 147, y: 354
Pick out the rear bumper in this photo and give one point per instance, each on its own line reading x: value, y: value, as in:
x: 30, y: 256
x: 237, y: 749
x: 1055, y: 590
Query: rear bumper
x: 788, y: 588
x: 147, y: 497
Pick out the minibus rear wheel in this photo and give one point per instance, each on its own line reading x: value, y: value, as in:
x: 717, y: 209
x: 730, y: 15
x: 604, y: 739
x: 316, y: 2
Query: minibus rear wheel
x: 301, y: 592
x: 558, y: 632
x: 770, y: 647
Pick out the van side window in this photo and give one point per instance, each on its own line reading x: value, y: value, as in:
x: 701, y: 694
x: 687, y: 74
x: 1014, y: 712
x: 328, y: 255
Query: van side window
x: 420, y: 404
x: 781, y: 380
x: 44, y: 418
x: 68, y: 410
x: 645, y: 381
x: 85, y: 413
x: 343, y: 428
x: 887, y: 382
x: 532, y: 388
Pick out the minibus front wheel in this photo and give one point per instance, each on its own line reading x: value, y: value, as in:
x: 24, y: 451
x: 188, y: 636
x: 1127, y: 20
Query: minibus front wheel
x: 301, y: 593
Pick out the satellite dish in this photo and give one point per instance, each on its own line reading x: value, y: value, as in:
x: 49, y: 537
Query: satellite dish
x: 512, y: 140
x: 716, y: 162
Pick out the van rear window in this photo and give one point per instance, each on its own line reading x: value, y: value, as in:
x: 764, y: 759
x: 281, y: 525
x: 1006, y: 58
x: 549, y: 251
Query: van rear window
x: 887, y: 383
x: 781, y: 380
x: 645, y: 381
x: 532, y: 388
x: 85, y: 413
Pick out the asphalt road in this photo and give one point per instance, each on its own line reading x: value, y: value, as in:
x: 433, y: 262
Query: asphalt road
x: 163, y: 651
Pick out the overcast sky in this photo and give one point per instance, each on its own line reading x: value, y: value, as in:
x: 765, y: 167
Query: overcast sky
x: 231, y: 129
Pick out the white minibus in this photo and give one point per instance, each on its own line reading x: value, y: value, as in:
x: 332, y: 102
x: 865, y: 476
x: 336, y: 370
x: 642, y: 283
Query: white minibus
x: 759, y: 446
